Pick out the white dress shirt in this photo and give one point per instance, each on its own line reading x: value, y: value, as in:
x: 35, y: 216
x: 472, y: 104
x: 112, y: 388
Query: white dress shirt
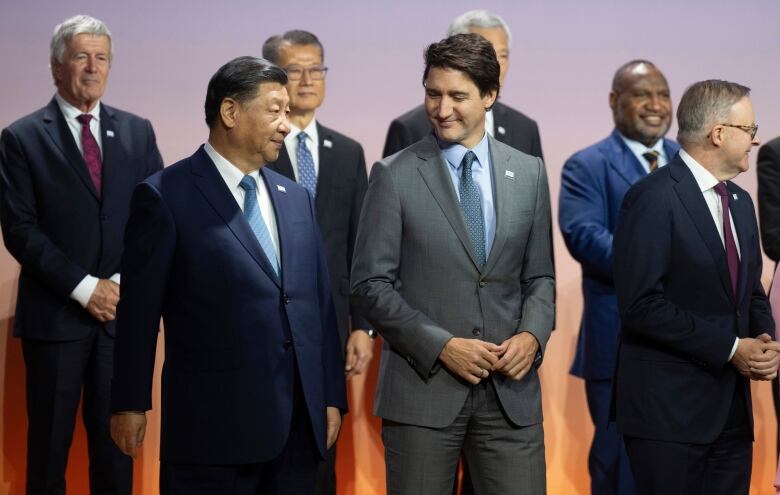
x: 707, y: 183
x: 490, y: 123
x: 312, y: 143
x: 638, y: 149
x: 232, y: 176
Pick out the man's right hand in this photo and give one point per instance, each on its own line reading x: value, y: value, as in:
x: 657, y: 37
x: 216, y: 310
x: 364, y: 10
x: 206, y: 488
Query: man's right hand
x: 756, y: 358
x: 102, y: 303
x: 470, y: 359
x: 128, y: 430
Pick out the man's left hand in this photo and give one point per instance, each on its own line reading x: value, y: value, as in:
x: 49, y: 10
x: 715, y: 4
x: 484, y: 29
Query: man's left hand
x: 360, y: 350
x: 334, y: 425
x: 517, y: 355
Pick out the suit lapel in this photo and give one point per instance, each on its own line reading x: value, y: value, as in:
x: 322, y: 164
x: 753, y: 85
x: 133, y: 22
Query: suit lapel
x: 113, y: 152
x: 280, y: 203
x: 687, y: 189
x: 212, y: 186
x: 500, y: 163
x: 436, y: 176
x: 741, y: 212
x: 623, y: 161
x: 59, y: 132
x: 327, y: 155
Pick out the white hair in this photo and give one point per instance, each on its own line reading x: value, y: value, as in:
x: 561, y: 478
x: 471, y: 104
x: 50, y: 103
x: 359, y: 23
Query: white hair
x: 478, y: 19
x: 78, y: 24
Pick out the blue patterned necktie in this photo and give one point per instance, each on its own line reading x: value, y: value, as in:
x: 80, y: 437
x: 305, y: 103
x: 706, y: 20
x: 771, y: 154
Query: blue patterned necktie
x: 255, y: 219
x: 307, y: 177
x: 471, y: 204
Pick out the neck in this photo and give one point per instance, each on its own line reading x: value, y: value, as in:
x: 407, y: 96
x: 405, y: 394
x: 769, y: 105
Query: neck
x: 222, y: 146
x: 83, y: 106
x: 301, y: 119
x: 709, y: 160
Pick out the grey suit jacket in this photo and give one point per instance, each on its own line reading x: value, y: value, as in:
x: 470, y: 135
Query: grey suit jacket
x: 415, y: 278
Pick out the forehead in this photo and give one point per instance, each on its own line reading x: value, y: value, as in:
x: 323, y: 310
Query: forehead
x: 743, y: 110
x: 99, y: 43
x: 644, y: 77
x: 271, y: 93
x: 495, y: 35
x: 299, y: 54
x: 446, y: 79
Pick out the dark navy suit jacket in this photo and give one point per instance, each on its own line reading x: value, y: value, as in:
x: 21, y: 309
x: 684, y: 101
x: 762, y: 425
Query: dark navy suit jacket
x: 593, y: 183
x: 680, y: 317
x: 53, y: 222
x: 235, y: 334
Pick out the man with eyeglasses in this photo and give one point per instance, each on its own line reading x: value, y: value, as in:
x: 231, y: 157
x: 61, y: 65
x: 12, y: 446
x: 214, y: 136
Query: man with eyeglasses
x: 696, y: 326
x: 593, y: 183
x: 332, y: 168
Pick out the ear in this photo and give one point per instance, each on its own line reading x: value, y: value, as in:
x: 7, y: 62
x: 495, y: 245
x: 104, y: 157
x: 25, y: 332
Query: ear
x: 717, y: 136
x: 613, y: 97
x: 56, y: 72
x: 229, y: 111
x: 489, y: 99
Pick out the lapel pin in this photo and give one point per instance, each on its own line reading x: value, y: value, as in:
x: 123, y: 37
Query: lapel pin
x: 281, y: 188
x: 735, y: 196
x: 109, y: 133
x: 501, y: 130
x: 509, y: 174
x: 327, y: 143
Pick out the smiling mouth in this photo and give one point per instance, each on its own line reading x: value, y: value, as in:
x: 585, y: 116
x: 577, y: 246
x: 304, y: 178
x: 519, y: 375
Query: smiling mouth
x: 653, y: 119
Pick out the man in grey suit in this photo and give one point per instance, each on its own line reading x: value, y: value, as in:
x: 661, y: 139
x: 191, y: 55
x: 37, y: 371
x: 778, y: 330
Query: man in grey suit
x: 453, y: 267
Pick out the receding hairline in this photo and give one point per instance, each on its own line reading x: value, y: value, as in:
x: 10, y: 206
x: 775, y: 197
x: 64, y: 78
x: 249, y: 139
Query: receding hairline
x: 634, y: 68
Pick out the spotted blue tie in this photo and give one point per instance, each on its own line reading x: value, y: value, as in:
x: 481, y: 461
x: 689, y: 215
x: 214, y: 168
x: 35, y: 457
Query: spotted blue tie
x: 307, y: 177
x: 471, y: 204
x: 255, y: 219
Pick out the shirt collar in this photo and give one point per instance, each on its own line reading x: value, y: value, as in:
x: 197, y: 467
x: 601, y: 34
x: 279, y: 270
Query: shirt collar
x: 490, y: 124
x: 70, y: 112
x: 454, y: 152
x: 703, y: 177
x: 310, y: 130
x: 640, y: 149
x: 231, y: 174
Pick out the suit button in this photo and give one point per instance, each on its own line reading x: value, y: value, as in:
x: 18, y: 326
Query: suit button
x: 739, y: 315
x: 476, y: 332
x: 285, y: 299
x: 410, y: 360
x: 482, y: 283
x: 287, y: 345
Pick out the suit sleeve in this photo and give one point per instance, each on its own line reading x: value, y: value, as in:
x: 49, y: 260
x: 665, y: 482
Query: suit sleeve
x: 358, y: 195
x: 26, y: 242
x: 398, y: 138
x: 375, y: 281
x: 642, y: 253
x: 768, y: 170
x: 150, y: 240
x: 582, y: 217
x: 154, y: 159
x: 538, y: 273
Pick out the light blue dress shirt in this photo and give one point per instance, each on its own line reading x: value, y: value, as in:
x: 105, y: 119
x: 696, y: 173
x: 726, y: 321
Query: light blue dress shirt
x: 481, y: 172
x: 638, y: 149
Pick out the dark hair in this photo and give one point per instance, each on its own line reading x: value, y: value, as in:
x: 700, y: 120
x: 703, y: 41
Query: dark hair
x: 703, y: 105
x: 293, y: 37
x: 239, y: 79
x: 469, y: 53
x: 620, y: 74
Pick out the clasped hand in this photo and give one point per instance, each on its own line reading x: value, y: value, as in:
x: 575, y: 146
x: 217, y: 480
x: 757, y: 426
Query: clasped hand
x: 474, y: 360
x: 757, y: 359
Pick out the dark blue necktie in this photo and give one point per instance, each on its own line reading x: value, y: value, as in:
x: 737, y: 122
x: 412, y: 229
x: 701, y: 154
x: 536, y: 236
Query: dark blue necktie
x: 471, y: 204
x: 255, y: 219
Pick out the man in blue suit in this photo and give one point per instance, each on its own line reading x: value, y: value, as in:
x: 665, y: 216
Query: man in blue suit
x: 229, y: 254
x: 67, y: 172
x: 593, y: 183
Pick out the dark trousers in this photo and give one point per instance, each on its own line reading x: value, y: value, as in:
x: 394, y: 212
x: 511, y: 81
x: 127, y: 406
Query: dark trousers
x: 610, y: 470
x: 326, y: 473
x: 292, y: 472
x: 57, y: 372
x: 719, y: 468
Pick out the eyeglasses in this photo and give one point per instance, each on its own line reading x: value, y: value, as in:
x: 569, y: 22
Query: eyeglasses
x: 750, y: 129
x: 296, y: 72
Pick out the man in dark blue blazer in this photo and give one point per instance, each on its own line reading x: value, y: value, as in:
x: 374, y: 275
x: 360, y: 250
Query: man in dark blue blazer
x: 593, y: 183
x: 695, y: 323
x: 67, y: 172
x: 253, y: 385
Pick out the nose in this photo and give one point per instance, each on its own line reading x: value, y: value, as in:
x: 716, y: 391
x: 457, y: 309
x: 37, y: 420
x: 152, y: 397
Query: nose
x: 445, y: 108
x: 655, y: 102
x: 755, y: 142
x: 306, y: 77
x: 91, y: 64
x: 284, y: 126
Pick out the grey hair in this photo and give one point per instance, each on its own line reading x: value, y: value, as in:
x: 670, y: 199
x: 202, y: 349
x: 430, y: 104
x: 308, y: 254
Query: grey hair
x: 69, y: 28
x: 478, y: 19
x: 705, y: 104
x: 272, y: 45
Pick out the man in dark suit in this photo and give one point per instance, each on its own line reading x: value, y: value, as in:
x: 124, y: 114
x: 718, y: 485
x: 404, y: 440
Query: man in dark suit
x: 67, y: 172
x: 453, y: 265
x: 695, y: 322
x: 332, y: 168
x: 593, y: 183
x: 502, y: 122
x: 253, y: 387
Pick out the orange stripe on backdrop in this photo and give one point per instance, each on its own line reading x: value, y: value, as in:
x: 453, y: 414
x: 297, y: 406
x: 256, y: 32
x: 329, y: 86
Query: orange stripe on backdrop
x: 360, y: 455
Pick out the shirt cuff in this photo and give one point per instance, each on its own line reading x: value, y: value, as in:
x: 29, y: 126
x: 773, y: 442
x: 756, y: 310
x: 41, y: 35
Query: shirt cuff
x: 116, y: 278
x: 83, y: 291
x: 734, y: 348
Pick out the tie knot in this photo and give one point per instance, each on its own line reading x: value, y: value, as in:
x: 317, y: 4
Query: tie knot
x: 720, y: 188
x: 652, y: 159
x: 468, y: 160
x: 248, y: 183
x: 302, y: 137
x: 84, y: 118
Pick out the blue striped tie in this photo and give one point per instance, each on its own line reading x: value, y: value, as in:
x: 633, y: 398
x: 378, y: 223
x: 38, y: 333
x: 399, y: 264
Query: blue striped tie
x: 471, y: 204
x: 307, y: 177
x: 255, y: 219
